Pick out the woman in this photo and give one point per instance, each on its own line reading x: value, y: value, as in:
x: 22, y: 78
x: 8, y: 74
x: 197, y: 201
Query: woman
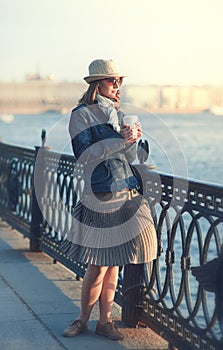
x: 112, y: 224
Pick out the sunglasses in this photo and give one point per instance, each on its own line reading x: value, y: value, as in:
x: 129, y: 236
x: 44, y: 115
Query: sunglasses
x: 114, y: 82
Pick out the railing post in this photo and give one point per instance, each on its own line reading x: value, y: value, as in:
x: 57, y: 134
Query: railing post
x: 38, y: 185
x: 133, y: 287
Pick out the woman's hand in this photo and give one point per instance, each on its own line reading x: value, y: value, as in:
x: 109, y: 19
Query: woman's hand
x: 128, y: 132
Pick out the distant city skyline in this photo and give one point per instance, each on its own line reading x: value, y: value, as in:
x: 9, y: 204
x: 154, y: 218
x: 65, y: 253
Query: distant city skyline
x: 159, y: 42
x: 37, y: 96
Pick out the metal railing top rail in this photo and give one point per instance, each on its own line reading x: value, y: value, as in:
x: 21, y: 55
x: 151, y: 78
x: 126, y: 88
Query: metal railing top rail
x: 182, y: 192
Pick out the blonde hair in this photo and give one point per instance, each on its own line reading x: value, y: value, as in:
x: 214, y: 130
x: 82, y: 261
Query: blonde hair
x: 89, y: 96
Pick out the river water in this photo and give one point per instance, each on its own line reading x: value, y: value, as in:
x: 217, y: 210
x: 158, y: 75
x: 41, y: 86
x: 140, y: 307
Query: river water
x: 188, y: 145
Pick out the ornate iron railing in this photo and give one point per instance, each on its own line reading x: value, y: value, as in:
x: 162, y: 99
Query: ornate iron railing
x: 16, y: 174
x: 189, y: 222
x: 188, y: 216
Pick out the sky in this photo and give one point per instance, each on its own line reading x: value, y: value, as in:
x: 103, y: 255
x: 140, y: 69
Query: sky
x: 154, y: 42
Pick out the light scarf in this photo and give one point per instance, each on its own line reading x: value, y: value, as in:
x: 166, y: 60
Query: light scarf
x: 108, y: 107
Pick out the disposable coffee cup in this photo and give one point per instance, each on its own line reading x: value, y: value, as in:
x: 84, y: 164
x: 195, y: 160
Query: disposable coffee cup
x: 131, y: 120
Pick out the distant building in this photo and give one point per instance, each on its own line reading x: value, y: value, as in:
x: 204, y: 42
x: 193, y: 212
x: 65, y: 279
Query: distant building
x: 174, y: 98
x: 36, y: 95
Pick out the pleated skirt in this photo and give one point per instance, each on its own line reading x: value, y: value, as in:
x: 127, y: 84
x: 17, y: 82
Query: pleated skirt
x: 111, y: 229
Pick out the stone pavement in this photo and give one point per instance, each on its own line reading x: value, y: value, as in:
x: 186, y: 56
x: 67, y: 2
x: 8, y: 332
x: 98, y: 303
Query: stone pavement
x: 39, y: 298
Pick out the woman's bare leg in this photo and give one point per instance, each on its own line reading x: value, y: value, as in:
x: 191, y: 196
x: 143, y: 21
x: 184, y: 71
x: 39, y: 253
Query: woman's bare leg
x: 91, y: 289
x: 108, y: 293
x: 100, y: 282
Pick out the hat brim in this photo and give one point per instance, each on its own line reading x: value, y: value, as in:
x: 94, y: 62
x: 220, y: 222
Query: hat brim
x: 93, y: 77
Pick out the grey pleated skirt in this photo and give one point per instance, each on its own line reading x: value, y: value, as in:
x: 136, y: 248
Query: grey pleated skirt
x: 111, y: 229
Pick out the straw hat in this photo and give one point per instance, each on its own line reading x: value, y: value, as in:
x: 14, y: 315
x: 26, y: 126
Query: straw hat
x: 102, y: 69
